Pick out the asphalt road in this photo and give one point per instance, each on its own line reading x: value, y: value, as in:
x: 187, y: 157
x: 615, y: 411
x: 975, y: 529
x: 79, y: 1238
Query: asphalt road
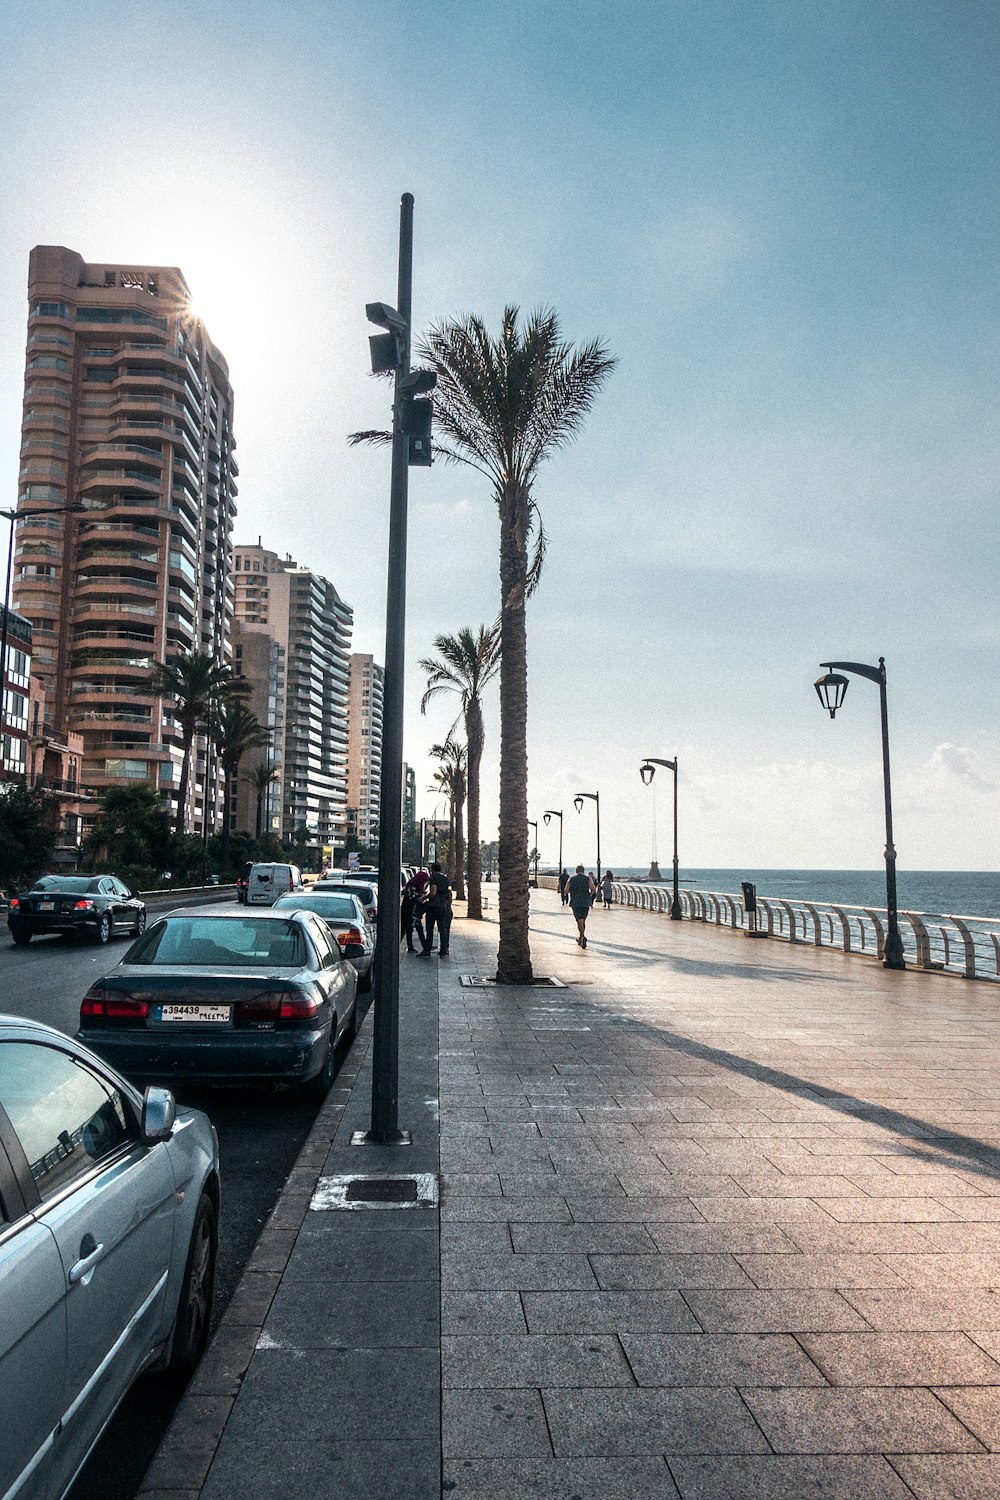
x: 260, y: 1136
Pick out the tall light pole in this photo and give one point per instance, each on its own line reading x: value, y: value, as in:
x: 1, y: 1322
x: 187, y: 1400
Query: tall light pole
x: 533, y: 823
x: 647, y: 771
x: 831, y: 689
x: 546, y: 819
x: 12, y: 516
x: 578, y: 804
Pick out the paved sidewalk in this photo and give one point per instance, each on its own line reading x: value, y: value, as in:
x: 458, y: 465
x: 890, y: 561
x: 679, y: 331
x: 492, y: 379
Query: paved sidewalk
x: 720, y: 1219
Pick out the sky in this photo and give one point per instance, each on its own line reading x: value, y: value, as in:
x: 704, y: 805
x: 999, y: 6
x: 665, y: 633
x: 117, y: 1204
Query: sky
x: 780, y: 215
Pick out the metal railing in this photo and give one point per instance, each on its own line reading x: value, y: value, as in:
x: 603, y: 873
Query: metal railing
x: 968, y: 946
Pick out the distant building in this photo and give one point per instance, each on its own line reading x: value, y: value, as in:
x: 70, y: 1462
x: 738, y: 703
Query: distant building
x: 14, y: 747
x: 364, y: 747
x: 127, y: 408
x: 302, y: 613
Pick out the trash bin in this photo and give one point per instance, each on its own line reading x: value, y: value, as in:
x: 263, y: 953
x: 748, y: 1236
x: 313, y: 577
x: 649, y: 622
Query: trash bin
x: 750, y: 907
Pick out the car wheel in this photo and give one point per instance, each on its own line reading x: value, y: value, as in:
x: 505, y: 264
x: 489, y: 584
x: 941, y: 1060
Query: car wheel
x: 320, y: 1086
x: 140, y: 925
x: 103, y: 929
x: 365, y: 982
x: 22, y: 939
x: 194, y: 1310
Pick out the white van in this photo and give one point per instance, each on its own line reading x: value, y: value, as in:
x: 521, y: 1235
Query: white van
x: 266, y: 883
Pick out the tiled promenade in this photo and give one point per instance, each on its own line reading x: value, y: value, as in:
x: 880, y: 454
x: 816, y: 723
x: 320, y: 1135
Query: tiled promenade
x: 720, y: 1220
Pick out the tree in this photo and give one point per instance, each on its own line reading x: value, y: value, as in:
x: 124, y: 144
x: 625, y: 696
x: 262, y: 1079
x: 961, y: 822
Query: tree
x: 260, y: 778
x: 502, y: 406
x: 27, y: 833
x: 235, y: 729
x: 466, y: 663
x: 196, y: 684
x: 451, y: 779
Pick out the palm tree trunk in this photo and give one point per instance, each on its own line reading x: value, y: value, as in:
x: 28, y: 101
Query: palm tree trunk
x: 514, y: 952
x: 459, y: 848
x: 187, y: 741
x: 260, y: 809
x: 474, y: 741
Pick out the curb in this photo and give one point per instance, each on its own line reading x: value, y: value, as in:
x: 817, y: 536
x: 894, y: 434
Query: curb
x: 181, y: 1463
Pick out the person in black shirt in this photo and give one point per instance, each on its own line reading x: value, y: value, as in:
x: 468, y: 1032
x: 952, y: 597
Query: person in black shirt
x: 437, y: 910
x: 581, y: 893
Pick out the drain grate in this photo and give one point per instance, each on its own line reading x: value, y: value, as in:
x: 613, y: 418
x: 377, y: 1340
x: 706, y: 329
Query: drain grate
x: 382, y: 1190
x: 481, y: 982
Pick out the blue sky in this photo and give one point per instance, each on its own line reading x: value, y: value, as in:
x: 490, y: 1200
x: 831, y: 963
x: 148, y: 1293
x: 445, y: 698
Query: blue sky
x: 783, y: 220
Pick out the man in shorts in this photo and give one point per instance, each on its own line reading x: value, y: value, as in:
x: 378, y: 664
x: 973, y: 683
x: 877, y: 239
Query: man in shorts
x: 581, y: 893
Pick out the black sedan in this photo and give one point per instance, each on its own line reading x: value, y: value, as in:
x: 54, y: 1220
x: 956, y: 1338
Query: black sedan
x: 226, y: 997
x: 95, y: 906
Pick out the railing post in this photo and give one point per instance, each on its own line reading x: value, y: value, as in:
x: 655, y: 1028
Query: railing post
x: 970, y: 947
x: 921, y: 938
x: 817, y: 935
x: 793, y: 933
x: 879, y: 931
x: 845, y: 927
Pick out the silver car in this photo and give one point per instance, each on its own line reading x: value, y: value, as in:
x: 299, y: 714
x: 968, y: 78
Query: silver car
x: 345, y: 915
x: 109, y: 1204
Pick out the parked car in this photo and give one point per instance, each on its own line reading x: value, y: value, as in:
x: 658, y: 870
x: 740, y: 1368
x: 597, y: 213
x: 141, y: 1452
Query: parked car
x: 109, y: 1207
x: 266, y: 882
x: 346, y: 918
x: 95, y: 906
x: 366, y: 890
x: 243, y: 880
x: 227, y: 996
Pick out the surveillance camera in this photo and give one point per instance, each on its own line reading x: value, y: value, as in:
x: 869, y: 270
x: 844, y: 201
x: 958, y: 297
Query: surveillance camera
x: 385, y: 316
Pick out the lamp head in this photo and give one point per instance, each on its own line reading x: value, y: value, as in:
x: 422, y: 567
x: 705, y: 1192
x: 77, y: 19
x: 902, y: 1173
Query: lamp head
x: 546, y: 819
x: 831, y: 689
x: 647, y: 772
x: 578, y: 804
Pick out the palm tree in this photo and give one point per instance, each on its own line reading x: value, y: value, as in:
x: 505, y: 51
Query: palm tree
x: 196, y: 684
x: 235, y: 729
x: 260, y: 778
x: 451, y: 779
x: 466, y: 664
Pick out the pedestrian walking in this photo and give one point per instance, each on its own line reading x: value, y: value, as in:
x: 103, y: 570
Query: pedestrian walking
x: 411, y: 909
x: 437, y: 912
x: 563, y: 883
x: 607, y: 887
x: 581, y: 890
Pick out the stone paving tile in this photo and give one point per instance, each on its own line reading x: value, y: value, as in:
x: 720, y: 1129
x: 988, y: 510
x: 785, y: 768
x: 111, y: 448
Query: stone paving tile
x: 608, y: 1312
x: 685, y: 1359
x: 722, y: 1239
x: 952, y: 1477
x: 761, y: 1210
x: 476, y: 1238
x: 519, y: 1272
x: 632, y: 1210
x: 786, y: 1478
x: 305, y: 1315
x: 534, y: 1361
x: 559, y: 1184
x: 584, y: 1239
x: 493, y: 1424
x: 866, y: 1210
x: 981, y: 1210
x: 490, y: 1312
x: 618, y: 1272
x: 684, y: 1184
x: 471, y: 1184
x: 476, y: 1210
x: 776, y: 1312
x: 896, y: 1185
x: 331, y: 1465
x: 809, y: 1270
x: 927, y: 1311
x: 778, y: 1185
x: 636, y: 1423
x: 862, y: 1420
x: 559, y: 1479
x: 956, y: 1270
x: 864, y: 1239
x: 979, y: 1408
x: 897, y: 1359
x: 961, y: 1239
x: 358, y: 1253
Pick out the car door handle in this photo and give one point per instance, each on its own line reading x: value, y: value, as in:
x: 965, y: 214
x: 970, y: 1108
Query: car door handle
x: 78, y: 1271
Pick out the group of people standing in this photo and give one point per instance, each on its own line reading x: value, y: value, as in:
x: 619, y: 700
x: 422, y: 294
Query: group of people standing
x: 580, y: 891
x: 426, y: 904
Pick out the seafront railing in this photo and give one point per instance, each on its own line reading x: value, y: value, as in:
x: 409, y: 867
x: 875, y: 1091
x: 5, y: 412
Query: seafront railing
x: 968, y: 946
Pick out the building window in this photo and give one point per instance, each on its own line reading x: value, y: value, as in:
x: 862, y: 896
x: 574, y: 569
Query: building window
x: 109, y: 278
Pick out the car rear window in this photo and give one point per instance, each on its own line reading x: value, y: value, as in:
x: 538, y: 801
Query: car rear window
x: 331, y: 908
x: 72, y: 885
x: 227, y: 942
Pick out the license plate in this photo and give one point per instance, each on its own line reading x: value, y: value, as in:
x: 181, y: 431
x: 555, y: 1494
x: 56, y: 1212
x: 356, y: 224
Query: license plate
x: 46, y: 906
x: 211, y: 1014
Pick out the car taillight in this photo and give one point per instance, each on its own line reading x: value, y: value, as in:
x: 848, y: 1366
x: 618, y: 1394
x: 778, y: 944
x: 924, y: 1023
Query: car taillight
x: 83, y: 906
x: 297, y: 1006
x: 99, y: 1005
x: 261, y: 1009
x: 14, y: 903
x: 352, y: 935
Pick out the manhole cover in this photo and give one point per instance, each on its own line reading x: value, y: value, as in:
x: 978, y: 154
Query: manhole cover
x: 382, y: 1190
x: 481, y: 982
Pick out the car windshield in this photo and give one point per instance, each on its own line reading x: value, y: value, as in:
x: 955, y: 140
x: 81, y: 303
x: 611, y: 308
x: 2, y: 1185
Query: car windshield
x: 229, y: 942
x: 330, y: 908
x: 366, y: 894
x: 70, y: 885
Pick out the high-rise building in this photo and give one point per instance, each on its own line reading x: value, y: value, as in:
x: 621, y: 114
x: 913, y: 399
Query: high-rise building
x: 310, y: 623
x: 128, y: 408
x: 364, y: 747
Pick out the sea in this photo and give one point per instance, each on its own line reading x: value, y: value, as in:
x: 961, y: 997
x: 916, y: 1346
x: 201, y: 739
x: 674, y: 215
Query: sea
x: 959, y: 893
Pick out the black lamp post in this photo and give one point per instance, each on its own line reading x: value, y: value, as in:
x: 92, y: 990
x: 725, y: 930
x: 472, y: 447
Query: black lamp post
x: 831, y: 690
x: 647, y: 771
x: 532, y: 823
x: 546, y: 819
x: 594, y: 797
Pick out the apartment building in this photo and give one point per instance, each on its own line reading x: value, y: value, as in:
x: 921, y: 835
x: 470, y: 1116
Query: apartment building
x: 17, y: 676
x: 128, y: 409
x: 364, y: 747
x: 303, y: 614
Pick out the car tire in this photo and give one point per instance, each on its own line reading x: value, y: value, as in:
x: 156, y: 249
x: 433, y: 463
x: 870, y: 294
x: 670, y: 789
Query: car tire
x: 103, y: 928
x: 320, y: 1086
x: 365, y: 983
x: 194, y: 1310
x: 22, y: 939
x: 139, y: 926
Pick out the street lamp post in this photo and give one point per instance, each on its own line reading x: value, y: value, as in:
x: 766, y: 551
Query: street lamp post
x: 532, y: 823
x: 546, y: 819
x: 12, y: 516
x: 831, y: 690
x: 594, y: 797
x: 647, y: 771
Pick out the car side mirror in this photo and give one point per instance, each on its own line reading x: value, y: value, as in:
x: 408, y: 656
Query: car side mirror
x: 353, y: 950
x: 159, y: 1111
